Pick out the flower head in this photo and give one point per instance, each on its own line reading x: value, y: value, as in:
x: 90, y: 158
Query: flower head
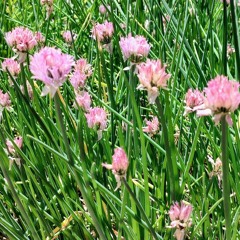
x: 83, y: 100
x: 180, y: 218
x: 103, y: 32
x: 68, y: 36
x: 4, y: 99
x: 193, y: 99
x: 134, y: 48
x: 49, y: 6
x: 12, y: 66
x: 119, y: 165
x: 5, y: 102
x: 82, y: 71
x: 152, y: 126
x: 97, y: 118
x: 222, y: 97
x: 18, y: 141
x: 39, y: 37
x: 21, y: 40
x: 51, y: 67
x: 103, y: 9
x: 152, y: 76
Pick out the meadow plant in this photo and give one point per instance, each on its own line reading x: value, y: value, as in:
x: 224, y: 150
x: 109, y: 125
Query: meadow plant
x: 56, y: 150
x: 51, y: 67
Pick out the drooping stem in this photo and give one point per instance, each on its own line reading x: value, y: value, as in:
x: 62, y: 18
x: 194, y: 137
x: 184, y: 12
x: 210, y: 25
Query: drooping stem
x: 226, y: 186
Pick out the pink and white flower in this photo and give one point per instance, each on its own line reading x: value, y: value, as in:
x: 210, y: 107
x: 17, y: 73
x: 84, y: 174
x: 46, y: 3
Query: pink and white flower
x: 222, y: 97
x: 51, y: 66
x: 83, y: 100
x: 68, y: 36
x: 180, y: 218
x: 103, y: 32
x: 152, y: 77
x: 18, y: 141
x: 97, y: 118
x: 21, y: 40
x: 82, y: 71
x: 119, y: 165
x: 134, y: 49
x: 152, y: 126
x: 39, y: 37
x: 193, y: 99
x: 12, y: 66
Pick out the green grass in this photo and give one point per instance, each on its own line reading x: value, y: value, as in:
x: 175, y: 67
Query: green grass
x: 61, y: 189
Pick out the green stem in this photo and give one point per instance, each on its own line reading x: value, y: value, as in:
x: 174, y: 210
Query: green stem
x: 173, y: 175
x: 154, y: 234
x: 71, y: 164
x: 235, y: 36
x: 224, y: 48
x: 63, y: 130
x: 17, y: 200
x: 226, y: 185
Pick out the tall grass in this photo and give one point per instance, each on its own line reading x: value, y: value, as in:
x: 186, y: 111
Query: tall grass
x: 61, y: 191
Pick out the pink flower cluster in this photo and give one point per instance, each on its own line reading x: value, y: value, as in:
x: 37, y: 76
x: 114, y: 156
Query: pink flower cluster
x: 193, y: 99
x: 152, y: 126
x: 21, y: 40
x: 69, y: 37
x: 222, y: 97
x: 97, y: 118
x: 103, y: 32
x: 18, y: 141
x: 4, y: 99
x: 51, y: 67
x: 49, y: 6
x: 103, y: 9
x: 119, y: 165
x: 83, y: 100
x: 134, y: 49
x: 5, y: 102
x: 82, y: 71
x: 152, y: 77
x: 180, y: 218
x: 11, y: 66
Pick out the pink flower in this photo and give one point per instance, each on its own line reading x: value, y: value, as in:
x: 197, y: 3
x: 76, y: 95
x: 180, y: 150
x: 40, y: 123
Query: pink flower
x: 152, y: 76
x: 102, y: 9
x: 222, y: 97
x: 51, y: 67
x: 119, y: 165
x: 49, y: 6
x: 39, y: 37
x: 103, y: 32
x: 83, y: 70
x: 11, y: 150
x: 180, y: 218
x: 12, y: 66
x: 18, y: 141
x: 193, y: 99
x: 29, y: 90
x: 21, y: 40
x: 68, y: 36
x: 5, y: 102
x: 97, y: 118
x: 152, y: 126
x: 47, y: 2
x: 134, y: 48
x: 83, y: 100
x: 83, y: 66
x: 4, y: 99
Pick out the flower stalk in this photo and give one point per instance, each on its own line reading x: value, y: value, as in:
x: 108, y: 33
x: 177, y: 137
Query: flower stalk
x: 226, y: 185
